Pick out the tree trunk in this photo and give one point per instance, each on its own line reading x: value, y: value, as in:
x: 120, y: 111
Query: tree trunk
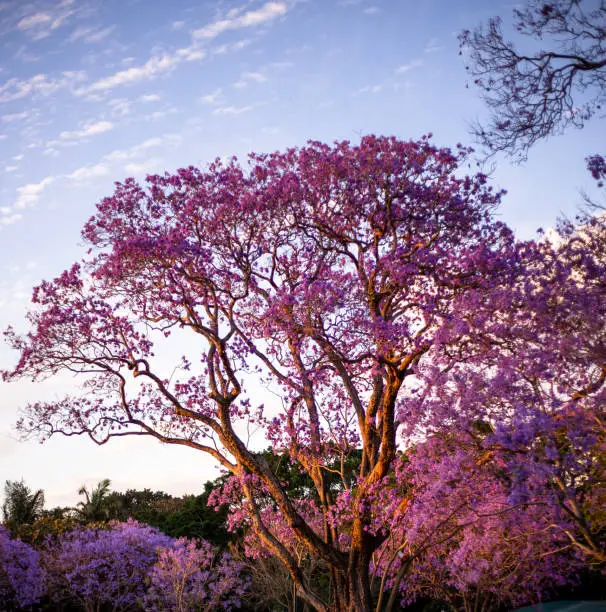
x: 352, y: 593
x: 351, y: 588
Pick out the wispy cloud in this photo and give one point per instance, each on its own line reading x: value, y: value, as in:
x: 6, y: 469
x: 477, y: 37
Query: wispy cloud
x: 29, y: 194
x: 142, y: 167
x: 160, y: 114
x: 34, y: 20
x: 433, y: 45
x: 191, y: 53
x: 213, y: 98
x: 90, y: 129
x: 120, y: 107
x: 141, y: 148
x: 231, y: 110
x: 91, y: 35
x: 250, y: 77
x: 41, y: 24
x: 39, y: 85
x: 416, y: 63
x: 269, y: 11
x: 149, y: 98
x: 228, y: 47
x: 10, y: 117
x: 371, y: 10
x: 10, y: 219
x: 153, y: 67
x: 88, y: 172
x: 370, y: 89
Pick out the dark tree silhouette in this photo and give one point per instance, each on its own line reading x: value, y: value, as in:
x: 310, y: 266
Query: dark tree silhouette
x: 535, y: 95
x: 95, y: 507
x: 21, y: 505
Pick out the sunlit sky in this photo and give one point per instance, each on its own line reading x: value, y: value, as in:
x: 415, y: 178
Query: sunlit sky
x: 93, y: 91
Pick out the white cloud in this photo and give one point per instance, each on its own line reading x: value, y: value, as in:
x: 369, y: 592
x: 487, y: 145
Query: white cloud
x: 10, y: 168
x: 267, y: 12
x: 178, y: 25
x: 9, y: 220
x: 15, y: 89
x: 213, y: 98
x: 149, y: 98
x: 432, y: 46
x: 30, y: 194
x: 416, y: 63
x: 372, y: 10
x: 250, y: 77
x: 41, y: 24
x: 40, y: 84
x: 231, y: 110
x: 191, y: 53
x: 281, y: 65
x: 100, y: 35
x: 91, y: 35
x: 138, y: 168
x: 120, y: 106
x: 160, y: 114
x: 33, y: 21
x: 88, y: 172
x: 14, y: 117
x: 136, y: 150
x: 370, y: 89
x: 226, y: 48
x: 154, y: 66
x: 90, y: 129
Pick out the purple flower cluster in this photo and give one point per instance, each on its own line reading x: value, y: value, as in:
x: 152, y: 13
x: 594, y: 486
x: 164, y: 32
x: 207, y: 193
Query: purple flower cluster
x: 121, y: 567
x: 21, y: 576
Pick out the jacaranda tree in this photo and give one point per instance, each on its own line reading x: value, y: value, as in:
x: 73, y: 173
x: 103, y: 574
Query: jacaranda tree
x: 341, y: 278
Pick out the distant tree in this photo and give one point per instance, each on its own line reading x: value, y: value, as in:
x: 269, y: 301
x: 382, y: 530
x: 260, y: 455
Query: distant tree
x: 21, y: 504
x: 95, y: 507
x: 194, y: 519
x: 145, y: 506
x: 532, y: 95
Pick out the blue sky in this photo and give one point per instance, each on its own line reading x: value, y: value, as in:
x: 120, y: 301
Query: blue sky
x: 93, y: 91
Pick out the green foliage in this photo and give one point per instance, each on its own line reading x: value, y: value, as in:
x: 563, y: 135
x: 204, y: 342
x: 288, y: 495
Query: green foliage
x: 145, y: 506
x: 35, y: 533
x: 196, y: 520
x: 21, y: 505
x: 95, y: 507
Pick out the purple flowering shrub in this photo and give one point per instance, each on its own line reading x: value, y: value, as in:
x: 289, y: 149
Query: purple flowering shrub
x: 191, y: 575
x: 21, y: 577
x: 96, y: 567
x: 130, y: 565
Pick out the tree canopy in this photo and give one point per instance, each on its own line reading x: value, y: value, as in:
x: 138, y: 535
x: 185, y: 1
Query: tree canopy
x: 371, y: 290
